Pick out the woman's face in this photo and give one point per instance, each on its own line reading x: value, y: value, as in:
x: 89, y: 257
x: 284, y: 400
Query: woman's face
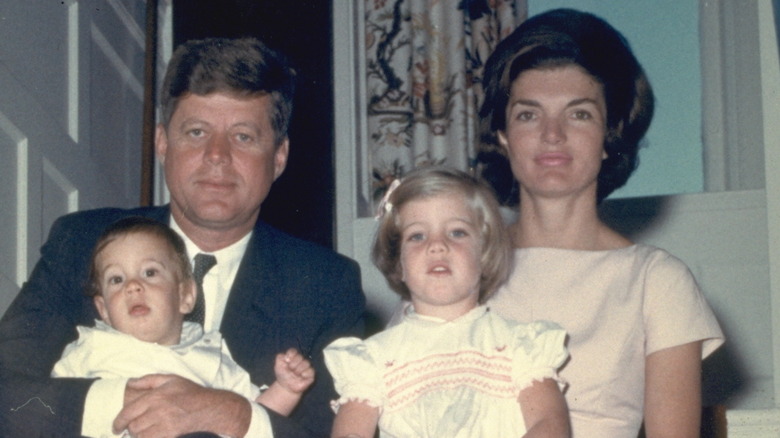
x: 555, y: 129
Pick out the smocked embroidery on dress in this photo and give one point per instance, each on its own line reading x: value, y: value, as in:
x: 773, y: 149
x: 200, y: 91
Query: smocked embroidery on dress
x: 458, y: 378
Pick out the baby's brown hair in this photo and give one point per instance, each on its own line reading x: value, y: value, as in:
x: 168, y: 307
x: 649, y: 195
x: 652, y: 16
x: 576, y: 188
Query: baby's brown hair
x: 141, y: 225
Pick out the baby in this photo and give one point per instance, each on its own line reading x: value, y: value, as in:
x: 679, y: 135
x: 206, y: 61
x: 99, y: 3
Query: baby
x: 141, y: 282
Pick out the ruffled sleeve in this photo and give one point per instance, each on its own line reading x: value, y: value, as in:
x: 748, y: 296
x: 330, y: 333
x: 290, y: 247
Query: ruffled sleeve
x: 354, y: 372
x: 539, y: 352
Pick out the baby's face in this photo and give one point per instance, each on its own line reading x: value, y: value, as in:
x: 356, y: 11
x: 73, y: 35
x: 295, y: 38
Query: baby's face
x: 142, y: 290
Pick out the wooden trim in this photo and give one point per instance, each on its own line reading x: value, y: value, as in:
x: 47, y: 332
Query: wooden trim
x: 147, y: 136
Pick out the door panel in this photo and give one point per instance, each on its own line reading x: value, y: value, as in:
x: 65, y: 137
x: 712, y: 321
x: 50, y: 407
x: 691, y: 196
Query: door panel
x: 71, y: 75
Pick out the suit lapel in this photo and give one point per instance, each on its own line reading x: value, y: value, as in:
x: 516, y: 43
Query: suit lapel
x: 160, y: 214
x: 252, y: 301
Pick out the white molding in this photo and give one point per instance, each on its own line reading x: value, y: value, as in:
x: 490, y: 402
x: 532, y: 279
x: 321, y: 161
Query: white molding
x: 73, y: 72
x: 22, y: 165
x: 22, y: 209
x: 712, y: 99
x: 731, y: 121
x: 66, y: 188
x: 347, y: 43
x: 116, y: 61
x: 753, y: 423
x: 164, y: 53
x: 132, y: 27
x: 770, y: 85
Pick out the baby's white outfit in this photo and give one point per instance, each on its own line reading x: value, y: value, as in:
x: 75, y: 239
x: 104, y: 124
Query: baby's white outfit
x: 106, y: 353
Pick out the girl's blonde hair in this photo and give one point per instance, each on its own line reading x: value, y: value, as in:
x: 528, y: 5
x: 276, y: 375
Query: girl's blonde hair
x: 434, y: 181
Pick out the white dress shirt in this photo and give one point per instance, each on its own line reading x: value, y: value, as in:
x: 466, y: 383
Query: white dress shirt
x: 219, y: 279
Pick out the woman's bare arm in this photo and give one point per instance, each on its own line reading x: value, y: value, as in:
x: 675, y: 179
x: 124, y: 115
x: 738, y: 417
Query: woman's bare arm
x: 673, y: 392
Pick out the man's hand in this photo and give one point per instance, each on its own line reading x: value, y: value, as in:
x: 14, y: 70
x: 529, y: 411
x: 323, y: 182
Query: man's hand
x: 160, y: 405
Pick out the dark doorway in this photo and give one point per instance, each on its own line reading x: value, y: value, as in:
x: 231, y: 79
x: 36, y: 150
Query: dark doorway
x: 301, y: 200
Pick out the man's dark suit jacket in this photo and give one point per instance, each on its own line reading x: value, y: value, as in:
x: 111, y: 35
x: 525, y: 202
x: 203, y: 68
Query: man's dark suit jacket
x: 287, y: 293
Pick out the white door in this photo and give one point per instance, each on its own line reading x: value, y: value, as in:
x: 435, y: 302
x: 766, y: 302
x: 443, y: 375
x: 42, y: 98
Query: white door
x: 71, y: 93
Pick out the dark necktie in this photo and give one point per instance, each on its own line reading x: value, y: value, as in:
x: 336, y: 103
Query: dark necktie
x: 203, y: 262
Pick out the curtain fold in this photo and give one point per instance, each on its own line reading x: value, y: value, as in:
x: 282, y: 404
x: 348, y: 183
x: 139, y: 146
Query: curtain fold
x: 424, y: 62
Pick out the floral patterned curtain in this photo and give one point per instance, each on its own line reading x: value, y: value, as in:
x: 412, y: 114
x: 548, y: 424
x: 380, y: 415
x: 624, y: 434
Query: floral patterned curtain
x: 424, y: 63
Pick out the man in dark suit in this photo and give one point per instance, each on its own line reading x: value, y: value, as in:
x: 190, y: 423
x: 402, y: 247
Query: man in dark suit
x: 226, y: 106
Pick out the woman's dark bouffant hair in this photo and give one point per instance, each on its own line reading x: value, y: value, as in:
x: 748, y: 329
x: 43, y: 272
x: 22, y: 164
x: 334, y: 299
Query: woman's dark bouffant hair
x: 137, y: 225
x: 560, y: 38
x: 245, y: 67
x: 427, y: 182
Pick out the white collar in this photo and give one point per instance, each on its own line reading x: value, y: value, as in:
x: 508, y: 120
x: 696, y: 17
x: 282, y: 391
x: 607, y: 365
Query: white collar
x: 471, y: 315
x: 228, y: 257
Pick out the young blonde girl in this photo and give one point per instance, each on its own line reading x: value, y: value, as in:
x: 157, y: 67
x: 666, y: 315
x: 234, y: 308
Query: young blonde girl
x: 450, y: 367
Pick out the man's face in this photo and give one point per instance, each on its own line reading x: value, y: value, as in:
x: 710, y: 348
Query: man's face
x: 220, y: 160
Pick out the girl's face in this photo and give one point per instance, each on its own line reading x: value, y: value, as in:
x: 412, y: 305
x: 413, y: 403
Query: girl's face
x: 142, y: 293
x: 555, y: 130
x: 441, y: 247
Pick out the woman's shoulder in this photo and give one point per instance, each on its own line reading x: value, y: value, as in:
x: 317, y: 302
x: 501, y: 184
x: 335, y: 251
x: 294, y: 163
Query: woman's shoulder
x: 640, y: 251
x: 644, y: 259
x: 653, y: 257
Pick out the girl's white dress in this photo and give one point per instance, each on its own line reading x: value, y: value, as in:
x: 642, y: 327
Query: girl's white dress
x: 436, y: 378
x: 618, y: 307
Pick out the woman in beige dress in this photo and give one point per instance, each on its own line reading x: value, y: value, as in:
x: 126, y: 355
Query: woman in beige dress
x: 566, y: 105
